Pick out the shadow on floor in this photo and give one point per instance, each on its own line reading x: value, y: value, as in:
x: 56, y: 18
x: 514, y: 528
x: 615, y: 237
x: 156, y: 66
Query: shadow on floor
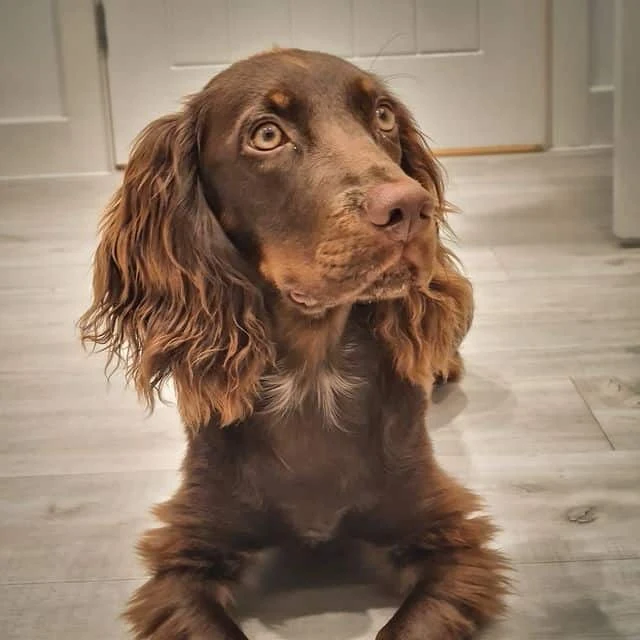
x: 315, y: 595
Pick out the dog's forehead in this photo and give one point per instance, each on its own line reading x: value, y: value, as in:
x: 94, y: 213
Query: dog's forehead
x: 286, y: 75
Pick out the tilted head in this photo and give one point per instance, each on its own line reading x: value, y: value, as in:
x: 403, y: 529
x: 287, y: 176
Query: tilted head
x: 293, y: 180
x: 308, y: 161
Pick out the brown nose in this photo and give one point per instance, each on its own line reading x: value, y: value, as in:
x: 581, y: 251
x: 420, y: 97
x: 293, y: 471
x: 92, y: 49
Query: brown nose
x: 398, y: 208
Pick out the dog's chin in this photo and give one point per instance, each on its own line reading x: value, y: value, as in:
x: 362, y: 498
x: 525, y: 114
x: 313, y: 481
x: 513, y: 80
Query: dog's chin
x: 383, y: 291
x: 396, y: 282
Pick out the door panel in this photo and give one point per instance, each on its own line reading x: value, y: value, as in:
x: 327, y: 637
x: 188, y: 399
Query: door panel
x: 447, y: 26
x: 472, y: 71
x: 51, y: 111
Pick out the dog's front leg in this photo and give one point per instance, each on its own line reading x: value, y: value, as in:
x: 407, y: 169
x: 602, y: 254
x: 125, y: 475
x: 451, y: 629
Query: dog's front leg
x: 440, y: 552
x: 180, y: 606
x: 195, y: 560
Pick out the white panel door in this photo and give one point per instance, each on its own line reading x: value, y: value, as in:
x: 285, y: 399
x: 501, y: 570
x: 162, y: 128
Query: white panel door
x: 51, y: 100
x: 473, y: 71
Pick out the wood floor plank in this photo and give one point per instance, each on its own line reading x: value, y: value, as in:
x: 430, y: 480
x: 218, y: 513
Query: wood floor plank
x: 530, y: 331
x: 64, y: 611
x: 488, y: 413
x: 556, y: 167
x: 482, y: 262
x: 529, y: 361
x: 574, y: 601
x: 566, y: 260
x: 558, y: 507
x: 615, y: 403
x: 77, y: 527
x: 517, y: 215
x: 90, y: 442
x: 76, y: 422
x: 41, y: 281
x: 560, y: 300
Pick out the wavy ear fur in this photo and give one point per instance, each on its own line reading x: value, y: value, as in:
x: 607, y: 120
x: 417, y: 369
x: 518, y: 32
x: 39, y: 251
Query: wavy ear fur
x: 424, y: 330
x: 171, y: 298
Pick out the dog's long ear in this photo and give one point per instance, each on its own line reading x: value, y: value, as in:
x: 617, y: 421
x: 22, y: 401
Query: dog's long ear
x: 170, y: 295
x: 424, y: 330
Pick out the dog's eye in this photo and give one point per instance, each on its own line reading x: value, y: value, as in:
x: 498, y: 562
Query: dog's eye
x: 385, y: 118
x: 267, y: 136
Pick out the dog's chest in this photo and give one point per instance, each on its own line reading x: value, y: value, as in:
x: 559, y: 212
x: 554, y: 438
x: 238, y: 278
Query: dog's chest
x: 320, y: 462
x: 329, y: 398
x: 328, y: 395
x: 315, y: 479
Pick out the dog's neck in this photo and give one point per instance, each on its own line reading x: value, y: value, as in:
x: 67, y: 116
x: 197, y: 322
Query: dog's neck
x: 307, y: 343
x: 314, y: 371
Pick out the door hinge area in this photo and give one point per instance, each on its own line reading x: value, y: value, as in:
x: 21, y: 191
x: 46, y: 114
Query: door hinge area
x: 101, y: 28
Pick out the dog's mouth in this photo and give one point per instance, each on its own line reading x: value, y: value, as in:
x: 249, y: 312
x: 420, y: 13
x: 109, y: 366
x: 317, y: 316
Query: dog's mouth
x: 394, y: 283
x: 386, y: 282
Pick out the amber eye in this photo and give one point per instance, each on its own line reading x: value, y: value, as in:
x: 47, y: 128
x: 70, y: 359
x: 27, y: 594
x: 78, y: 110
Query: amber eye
x: 267, y: 137
x: 385, y: 117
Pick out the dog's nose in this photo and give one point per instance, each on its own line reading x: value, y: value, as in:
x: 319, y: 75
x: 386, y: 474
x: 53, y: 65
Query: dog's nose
x: 398, y: 208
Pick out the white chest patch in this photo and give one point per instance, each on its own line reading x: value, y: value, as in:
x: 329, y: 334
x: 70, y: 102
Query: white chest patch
x: 286, y: 392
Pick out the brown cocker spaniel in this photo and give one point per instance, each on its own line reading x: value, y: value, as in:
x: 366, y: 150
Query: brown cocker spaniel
x: 275, y: 249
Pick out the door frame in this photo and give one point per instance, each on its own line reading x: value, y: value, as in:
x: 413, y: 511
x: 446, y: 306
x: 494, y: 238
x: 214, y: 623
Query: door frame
x: 576, y: 108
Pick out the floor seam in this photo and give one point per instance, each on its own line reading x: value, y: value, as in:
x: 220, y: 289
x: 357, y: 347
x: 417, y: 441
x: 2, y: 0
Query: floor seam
x: 593, y: 415
x: 575, y: 561
x: 501, y: 264
x: 27, y: 583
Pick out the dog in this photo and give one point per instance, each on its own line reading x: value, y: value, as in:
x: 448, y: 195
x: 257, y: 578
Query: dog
x: 276, y: 250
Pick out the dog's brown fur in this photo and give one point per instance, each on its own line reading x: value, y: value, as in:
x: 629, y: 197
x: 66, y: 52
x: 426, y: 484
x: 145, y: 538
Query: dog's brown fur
x: 305, y: 419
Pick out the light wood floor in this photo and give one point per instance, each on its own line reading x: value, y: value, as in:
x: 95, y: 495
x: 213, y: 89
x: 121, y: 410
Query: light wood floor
x: 546, y: 425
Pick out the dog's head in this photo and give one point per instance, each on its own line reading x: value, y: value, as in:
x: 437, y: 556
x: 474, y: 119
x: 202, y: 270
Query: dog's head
x: 319, y: 178
x: 292, y: 175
